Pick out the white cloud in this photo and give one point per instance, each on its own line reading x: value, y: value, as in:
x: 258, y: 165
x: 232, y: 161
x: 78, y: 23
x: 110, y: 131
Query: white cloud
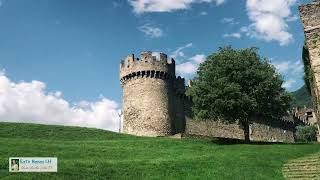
x: 179, y: 52
x: 232, y: 35
x: 198, y: 58
x: 286, y: 67
x: 150, y: 31
x: 292, y: 71
x: 203, y: 13
x: 117, y: 3
x: 144, y: 6
x: 191, y: 66
x: 269, y: 20
x: 292, y: 18
x: 29, y: 102
x: 230, y: 21
x: 282, y: 66
x: 288, y: 84
x: 218, y: 2
x: 187, y: 65
x: 187, y: 68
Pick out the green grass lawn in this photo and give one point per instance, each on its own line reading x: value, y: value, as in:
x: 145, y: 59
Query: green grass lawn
x: 85, y: 153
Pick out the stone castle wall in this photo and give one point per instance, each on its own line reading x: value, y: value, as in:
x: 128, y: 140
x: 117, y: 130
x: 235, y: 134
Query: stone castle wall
x: 310, y: 17
x: 259, y: 131
x: 213, y: 129
x: 179, y: 105
x: 309, y: 14
x: 262, y: 131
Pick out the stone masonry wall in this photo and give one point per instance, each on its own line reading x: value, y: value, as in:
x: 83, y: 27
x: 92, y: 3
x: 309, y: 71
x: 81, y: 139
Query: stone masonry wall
x: 179, y: 105
x: 313, y: 48
x: 258, y: 131
x: 213, y: 129
x: 310, y: 17
x: 309, y: 14
x: 265, y: 133
x: 147, y: 108
x: 179, y: 121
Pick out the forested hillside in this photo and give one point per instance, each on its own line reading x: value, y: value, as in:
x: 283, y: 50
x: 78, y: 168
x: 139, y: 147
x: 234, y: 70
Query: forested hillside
x: 301, y: 97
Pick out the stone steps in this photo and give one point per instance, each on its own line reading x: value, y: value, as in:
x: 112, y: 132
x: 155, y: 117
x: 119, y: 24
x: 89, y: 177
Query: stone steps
x: 311, y: 159
x: 308, y: 159
x: 312, y: 163
x: 307, y: 168
x: 304, y: 173
x: 302, y: 177
x: 302, y: 166
x: 311, y: 169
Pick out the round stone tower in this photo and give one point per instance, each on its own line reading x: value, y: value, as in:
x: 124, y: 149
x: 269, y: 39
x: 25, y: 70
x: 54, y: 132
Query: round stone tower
x: 148, y: 96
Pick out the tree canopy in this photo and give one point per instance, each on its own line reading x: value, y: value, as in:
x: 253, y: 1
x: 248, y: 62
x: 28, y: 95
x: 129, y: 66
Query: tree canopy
x: 238, y: 85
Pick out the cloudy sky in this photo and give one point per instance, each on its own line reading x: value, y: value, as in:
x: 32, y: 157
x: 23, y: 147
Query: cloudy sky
x: 59, y: 60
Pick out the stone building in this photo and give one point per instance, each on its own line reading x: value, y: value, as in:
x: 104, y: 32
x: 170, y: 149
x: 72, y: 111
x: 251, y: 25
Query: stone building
x: 305, y: 116
x: 310, y: 17
x: 153, y: 97
x: 155, y: 104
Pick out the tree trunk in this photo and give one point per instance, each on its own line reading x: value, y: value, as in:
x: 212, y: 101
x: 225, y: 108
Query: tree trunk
x: 246, y: 130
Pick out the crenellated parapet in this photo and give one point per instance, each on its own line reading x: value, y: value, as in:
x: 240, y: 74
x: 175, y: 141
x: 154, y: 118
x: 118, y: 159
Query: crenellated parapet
x: 147, y: 66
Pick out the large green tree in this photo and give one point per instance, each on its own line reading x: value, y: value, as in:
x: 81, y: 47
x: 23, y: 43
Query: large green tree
x: 237, y: 86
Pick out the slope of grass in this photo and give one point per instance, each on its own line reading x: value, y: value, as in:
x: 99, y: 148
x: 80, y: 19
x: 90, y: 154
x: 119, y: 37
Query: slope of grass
x: 96, y: 154
x: 301, y: 97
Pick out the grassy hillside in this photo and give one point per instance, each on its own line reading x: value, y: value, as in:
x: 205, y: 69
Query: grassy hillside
x: 301, y: 97
x: 96, y: 154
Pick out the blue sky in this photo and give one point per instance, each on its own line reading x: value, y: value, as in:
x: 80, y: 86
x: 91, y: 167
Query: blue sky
x: 74, y: 47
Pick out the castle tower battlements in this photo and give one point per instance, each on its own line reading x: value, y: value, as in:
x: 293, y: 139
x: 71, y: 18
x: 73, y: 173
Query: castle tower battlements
x: 152, y: 103
x: 147, y: 66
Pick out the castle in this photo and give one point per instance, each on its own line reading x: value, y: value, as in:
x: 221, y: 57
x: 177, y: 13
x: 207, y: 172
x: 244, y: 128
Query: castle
x: 154, y: 100
x: 155, y: 104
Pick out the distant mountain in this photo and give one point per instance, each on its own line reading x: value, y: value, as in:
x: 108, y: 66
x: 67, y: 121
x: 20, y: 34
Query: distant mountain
x: 301, y: 97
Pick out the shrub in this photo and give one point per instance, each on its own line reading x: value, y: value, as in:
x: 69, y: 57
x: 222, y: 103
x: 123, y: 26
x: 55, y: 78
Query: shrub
x: 306, y: 133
